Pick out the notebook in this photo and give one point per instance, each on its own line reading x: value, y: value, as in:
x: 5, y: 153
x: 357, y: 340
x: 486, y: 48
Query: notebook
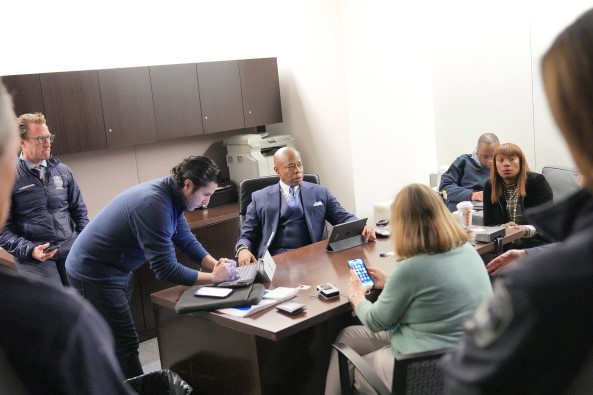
x: 263, y: 270
x: 347, y: 235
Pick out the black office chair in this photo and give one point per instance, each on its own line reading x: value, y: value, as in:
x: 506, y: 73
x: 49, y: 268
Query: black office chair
x: 415, y: 373
x: 250, y: 185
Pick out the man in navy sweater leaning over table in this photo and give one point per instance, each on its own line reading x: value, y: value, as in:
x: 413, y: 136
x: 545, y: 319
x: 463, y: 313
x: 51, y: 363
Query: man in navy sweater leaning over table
x: 144, y: 223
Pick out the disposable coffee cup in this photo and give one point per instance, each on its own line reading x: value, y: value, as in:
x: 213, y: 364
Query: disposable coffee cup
x: 465, y: 210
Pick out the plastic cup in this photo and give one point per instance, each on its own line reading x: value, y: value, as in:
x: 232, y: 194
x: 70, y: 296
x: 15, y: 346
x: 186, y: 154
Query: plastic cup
x: 465, y: 210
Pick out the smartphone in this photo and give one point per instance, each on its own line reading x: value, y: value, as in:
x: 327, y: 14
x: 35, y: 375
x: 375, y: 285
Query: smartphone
x: 360, y: 268
x: 51, y: 248
x: 213, y: 292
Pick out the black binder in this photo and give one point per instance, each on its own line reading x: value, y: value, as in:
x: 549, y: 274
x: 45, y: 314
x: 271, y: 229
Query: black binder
x: 189, y: 303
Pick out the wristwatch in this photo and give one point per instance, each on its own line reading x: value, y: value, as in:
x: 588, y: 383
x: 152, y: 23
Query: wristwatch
x: 239, y: 248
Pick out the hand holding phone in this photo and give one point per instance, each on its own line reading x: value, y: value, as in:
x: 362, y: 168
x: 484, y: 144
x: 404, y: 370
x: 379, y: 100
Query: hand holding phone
x: 51, y: 248
x: 360, y: 268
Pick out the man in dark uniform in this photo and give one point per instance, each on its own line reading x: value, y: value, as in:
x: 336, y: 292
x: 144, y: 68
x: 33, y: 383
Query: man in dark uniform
x: 536, y: 333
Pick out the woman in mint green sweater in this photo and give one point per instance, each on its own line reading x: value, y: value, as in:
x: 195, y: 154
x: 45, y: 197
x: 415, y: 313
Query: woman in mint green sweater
x: 436, y: 286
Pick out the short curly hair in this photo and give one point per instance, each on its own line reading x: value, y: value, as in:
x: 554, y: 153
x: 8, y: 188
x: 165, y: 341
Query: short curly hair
x: 201, y: 170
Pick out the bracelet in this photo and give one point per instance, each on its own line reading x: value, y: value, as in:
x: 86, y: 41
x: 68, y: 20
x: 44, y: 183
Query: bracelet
x: 241, y: 247
x: 354, y: 294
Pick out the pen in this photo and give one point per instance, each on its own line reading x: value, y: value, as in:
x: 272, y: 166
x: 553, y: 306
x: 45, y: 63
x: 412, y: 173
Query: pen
x: 384, y: 254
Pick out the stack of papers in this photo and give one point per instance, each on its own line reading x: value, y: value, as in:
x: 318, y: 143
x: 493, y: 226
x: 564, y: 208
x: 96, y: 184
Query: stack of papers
x: 271, y: 298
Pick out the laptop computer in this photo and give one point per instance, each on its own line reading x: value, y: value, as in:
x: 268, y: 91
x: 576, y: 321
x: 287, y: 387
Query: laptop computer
x: 347, y: 235
x: 263, y: 270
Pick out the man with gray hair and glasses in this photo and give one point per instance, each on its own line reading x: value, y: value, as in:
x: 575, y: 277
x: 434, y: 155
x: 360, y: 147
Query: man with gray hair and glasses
x: 465, y: 178
x: 47, y: 210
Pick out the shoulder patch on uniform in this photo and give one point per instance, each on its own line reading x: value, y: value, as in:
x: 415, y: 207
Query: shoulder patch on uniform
x: 492, y: 317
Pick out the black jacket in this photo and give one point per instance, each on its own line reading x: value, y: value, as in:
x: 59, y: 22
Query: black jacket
x: 538, y: 192
x: 532, y: 336
x: 40, y: 213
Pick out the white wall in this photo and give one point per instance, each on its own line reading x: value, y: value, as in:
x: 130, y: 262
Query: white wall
x: 482, y: 76
x: 390, y: 103
x: 486, y: 73
x: 548, y: 19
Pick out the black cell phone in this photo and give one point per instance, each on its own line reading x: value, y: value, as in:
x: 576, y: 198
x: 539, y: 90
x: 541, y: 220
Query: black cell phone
x: 51, y: 248
x: 360, y: 268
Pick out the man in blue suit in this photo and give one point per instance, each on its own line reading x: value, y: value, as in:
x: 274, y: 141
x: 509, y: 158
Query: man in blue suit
x: 294, y: 209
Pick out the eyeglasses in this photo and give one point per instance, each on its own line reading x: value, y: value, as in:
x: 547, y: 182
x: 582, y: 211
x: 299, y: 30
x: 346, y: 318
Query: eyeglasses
x: 486, y: 157
x: 42, y: 139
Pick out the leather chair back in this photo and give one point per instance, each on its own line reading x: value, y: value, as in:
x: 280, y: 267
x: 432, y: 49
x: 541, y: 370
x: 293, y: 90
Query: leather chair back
x: 563, y: 181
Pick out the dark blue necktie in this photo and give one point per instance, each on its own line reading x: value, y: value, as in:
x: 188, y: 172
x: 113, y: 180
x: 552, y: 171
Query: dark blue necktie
x: 293, y: 200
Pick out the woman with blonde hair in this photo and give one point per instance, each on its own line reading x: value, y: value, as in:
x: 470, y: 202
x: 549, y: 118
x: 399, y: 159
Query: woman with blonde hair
x: 512, y: 189
x: 436, y: 285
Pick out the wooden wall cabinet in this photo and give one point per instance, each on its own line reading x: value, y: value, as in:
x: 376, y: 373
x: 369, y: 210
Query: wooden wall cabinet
x: 260, y: 89
x: 73, y: 111
x: 98, y: 109
x: 126, y: 96
x: 26, y: 93
x: 176, y: 98
x: 220, y: 93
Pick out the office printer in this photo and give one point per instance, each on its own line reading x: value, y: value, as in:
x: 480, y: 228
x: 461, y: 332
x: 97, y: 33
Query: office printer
x: 252, y: 155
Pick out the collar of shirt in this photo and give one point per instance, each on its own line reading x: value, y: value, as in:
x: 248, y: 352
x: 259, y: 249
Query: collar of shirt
x: 285, y: 190
x: 31, y: 165
x: 476, y: 158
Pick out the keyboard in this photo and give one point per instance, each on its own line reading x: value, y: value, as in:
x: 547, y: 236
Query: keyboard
x: 244, y: 276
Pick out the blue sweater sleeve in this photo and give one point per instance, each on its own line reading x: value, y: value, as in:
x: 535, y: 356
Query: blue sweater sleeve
x: 186, y: 242
x: 154, y: 228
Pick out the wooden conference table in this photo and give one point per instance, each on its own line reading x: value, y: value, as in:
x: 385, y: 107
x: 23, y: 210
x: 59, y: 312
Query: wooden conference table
x: 269, y: 352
